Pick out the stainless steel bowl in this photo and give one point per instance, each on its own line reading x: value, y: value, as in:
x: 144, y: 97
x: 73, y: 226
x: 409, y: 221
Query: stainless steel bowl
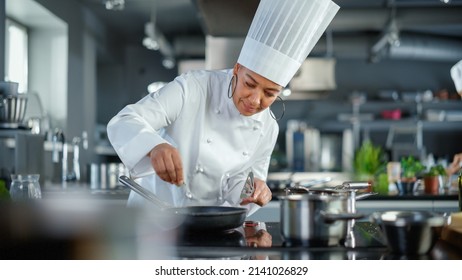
x: 12, y: 110
x: 410, y: 232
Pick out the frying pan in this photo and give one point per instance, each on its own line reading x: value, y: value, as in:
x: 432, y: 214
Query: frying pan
x: 216, y: 218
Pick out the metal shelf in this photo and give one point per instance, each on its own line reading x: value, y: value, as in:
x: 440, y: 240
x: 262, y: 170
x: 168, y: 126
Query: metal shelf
x: 384, y: 125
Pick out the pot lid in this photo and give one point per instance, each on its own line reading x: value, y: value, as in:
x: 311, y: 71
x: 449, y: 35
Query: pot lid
x: 312, y: 197
x: 404, y: 218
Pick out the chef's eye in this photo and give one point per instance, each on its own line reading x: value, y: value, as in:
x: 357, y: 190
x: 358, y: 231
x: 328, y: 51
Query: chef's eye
x: 250, y: 85
x: 270, y: 94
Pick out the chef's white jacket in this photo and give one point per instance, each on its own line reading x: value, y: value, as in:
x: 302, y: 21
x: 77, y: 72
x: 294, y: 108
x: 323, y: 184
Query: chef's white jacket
x: 218, y: 146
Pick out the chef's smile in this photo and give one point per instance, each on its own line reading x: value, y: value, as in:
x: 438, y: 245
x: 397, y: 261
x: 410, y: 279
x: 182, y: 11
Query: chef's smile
x: 253, y: 93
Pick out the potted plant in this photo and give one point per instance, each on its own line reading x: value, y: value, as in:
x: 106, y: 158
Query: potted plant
x: 410, y: 168
x: 433, y: 179
x: 369, y: 161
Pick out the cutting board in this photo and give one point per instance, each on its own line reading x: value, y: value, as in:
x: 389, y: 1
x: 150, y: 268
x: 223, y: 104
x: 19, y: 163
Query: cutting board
x: 453, y: 232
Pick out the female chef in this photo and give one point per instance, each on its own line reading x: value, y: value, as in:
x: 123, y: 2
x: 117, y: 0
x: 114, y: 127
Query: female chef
x: 194, y: 141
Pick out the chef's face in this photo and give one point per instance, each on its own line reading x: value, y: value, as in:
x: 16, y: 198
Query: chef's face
x: 252, y: 93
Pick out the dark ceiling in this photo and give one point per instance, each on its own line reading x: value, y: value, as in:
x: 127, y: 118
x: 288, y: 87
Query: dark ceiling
x: 196, y: 18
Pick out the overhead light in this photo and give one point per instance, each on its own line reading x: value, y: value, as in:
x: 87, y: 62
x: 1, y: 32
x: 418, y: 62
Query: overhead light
x: 115, y: 5
x: 155, y: 40
x: 168, y: 62
x: 286, y: 92
x: 150, y: 44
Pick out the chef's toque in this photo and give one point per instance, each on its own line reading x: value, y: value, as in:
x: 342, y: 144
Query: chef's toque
x: 282, y: 34
x: 456, y: 74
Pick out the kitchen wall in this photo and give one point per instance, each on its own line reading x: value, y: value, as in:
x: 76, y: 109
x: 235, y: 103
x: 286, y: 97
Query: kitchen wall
x: 352, y: 75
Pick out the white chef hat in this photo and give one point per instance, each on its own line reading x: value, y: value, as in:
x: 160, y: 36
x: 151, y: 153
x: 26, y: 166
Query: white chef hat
x: 282, y: 34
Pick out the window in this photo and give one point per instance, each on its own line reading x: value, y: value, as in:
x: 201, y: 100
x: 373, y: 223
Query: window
x: 16, y: 54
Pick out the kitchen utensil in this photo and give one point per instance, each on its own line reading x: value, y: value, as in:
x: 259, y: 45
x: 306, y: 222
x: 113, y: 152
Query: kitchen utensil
x: 12, y: 110
x: 315, y: 219
x: 217, y: 218
x: 311, y: 183
x: 25, y: 187
x: 410, y: 232
x: 320, y: 215
x: 8, y: 88
x: 249, y: 186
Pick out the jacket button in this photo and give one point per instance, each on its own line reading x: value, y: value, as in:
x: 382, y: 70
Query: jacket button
x: 209, y: 140
x: 189, y: 195
x: 245, y: 154
x: 217, y: 111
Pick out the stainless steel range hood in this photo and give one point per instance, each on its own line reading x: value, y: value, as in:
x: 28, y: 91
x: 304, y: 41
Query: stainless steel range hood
x: 226, y: 18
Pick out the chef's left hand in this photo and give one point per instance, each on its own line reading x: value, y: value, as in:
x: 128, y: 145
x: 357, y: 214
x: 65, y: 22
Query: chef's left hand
x: 261, y: 196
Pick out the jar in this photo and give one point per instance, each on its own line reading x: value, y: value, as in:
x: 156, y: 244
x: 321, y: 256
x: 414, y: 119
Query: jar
x: 25, y: 187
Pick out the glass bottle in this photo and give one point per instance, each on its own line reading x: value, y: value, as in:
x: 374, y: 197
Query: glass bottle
x: 25, y: 187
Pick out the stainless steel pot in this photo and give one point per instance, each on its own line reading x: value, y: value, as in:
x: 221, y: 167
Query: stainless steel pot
x: 315, y: 219
x: 410, y: 233
x: 321, y: 216
x: 348, y: 189
x: 12, y: 110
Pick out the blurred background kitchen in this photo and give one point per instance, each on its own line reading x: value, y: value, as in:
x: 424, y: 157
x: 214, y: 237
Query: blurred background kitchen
x: 381, y: 72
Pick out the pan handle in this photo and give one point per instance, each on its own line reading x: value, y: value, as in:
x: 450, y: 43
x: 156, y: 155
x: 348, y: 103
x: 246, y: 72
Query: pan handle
x: 143, y: 192
x: 331, y: 217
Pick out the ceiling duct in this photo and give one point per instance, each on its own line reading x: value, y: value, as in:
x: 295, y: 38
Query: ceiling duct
x: 413, y: 46
x: 429, y: 32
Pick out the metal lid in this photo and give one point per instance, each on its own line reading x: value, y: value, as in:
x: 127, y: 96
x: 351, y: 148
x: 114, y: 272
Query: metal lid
x: 312, y: 197
x: 405, y: 218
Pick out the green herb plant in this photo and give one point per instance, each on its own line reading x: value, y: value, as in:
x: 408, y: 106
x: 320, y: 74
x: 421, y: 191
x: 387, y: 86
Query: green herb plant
x: 436, y: 170
x: 411, y: 167
x: 369, y: 160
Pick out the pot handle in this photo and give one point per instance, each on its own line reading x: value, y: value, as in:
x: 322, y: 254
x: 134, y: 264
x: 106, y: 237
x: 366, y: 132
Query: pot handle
x: 353, y: 185
x: 330, y: 217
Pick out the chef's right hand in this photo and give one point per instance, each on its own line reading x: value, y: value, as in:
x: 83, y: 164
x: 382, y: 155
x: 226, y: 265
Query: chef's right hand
x: 455, y: 165
x: 166, y: 161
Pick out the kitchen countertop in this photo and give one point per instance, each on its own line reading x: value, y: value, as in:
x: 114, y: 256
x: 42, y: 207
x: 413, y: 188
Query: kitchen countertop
x: 370, y: 245
x: 70, y: 229
x: 83, y: 190
x: 51, y: 190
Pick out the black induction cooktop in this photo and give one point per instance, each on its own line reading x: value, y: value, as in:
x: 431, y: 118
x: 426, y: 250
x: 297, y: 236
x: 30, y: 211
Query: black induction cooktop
x: 269, y: 244
x: 369, y: 244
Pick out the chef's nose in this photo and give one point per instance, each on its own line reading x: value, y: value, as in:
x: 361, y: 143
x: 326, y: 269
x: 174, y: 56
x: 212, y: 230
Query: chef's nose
x: 255, y: 97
